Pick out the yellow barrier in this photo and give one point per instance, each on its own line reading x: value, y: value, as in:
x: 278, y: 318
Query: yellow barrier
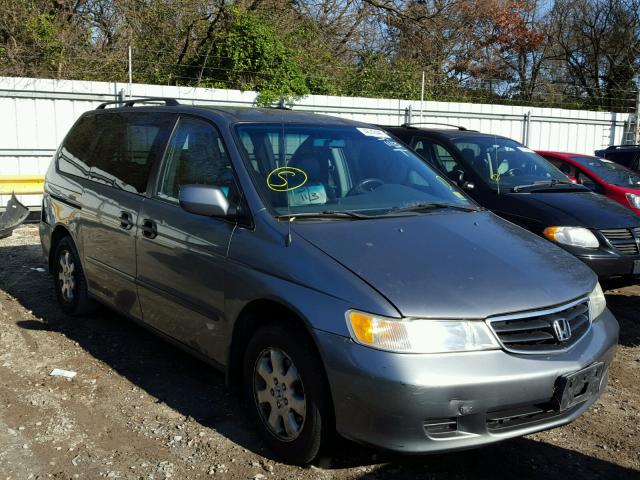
x: 21, y: 184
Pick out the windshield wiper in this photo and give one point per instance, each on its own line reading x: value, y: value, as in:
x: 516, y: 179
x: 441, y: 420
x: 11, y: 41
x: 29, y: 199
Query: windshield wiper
x: 345, y: 214
x: 544, y: 184
x: 421, y: 207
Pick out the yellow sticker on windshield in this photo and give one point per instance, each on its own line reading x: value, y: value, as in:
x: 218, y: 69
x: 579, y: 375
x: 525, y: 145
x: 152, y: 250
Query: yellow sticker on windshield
x: 444, y: 182
x: 284, y: 179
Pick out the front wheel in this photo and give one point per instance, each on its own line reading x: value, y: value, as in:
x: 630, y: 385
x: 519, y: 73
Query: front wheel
x: 285, y: 390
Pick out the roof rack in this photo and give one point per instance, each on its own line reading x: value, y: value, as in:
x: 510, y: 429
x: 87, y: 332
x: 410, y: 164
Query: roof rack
x: 411, y: 124
x: 169, y: 102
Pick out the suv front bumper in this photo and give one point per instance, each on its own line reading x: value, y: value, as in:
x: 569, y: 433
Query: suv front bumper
x: 441, y: 402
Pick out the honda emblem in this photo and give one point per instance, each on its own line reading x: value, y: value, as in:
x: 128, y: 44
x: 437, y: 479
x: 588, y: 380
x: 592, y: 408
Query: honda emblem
x: 562, y: 329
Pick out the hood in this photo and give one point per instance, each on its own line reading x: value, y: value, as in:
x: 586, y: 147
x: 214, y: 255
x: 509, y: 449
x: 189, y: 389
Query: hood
x: 584, y: 209
x: 452, y: 265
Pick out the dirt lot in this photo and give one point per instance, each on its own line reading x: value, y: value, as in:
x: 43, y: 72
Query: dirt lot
x: 139, y: 408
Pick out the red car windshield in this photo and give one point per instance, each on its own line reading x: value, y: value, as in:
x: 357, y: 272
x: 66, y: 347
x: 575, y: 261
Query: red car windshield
x: 609, y: 171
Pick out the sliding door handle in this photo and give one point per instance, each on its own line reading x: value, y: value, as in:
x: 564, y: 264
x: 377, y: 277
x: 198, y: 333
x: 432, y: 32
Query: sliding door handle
x: 126, y: 220
x: 149, y: 228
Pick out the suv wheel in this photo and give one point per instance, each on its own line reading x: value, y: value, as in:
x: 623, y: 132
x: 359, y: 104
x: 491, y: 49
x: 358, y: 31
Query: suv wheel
x: 285, y: 390
x: 70, y: 284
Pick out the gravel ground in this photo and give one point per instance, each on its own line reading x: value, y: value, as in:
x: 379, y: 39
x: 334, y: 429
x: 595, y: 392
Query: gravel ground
x: 141, y: 409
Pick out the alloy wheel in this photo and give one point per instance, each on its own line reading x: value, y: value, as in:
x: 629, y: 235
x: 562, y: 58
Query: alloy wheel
x: 279, y: 394
x: 66, y: 276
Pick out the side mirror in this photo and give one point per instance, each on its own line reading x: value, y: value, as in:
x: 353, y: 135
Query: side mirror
x: 457, y: 176
x: 204, y: 200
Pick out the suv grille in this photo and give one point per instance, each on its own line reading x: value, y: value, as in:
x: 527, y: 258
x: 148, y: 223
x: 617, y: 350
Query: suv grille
x: 540, y: 332
x: 622, y: 239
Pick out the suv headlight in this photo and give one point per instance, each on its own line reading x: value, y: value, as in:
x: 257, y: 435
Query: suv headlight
x: 633, y: 199
x: 574, y: 236
x: 419, y: 335
x: 597, y: 302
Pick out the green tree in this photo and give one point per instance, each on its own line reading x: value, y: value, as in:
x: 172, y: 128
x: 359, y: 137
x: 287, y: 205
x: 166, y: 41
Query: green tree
x: 376, y: 76
x: 248, y: 54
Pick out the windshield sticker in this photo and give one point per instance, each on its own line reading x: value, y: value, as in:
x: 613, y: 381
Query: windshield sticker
x: 393, y: 144
x: 373, y: 132
x: 526, y: 150
x: 445, y: 183
x: 309, y: 195
x: 285, y: 179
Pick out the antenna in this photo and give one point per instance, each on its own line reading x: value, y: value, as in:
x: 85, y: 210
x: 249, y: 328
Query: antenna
x: 289, y: 239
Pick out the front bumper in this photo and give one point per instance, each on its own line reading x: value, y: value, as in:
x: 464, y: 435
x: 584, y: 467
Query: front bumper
x: 613, y: 265
x: 398, y: 401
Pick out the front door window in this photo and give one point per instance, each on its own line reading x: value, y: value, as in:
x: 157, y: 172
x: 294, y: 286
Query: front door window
x: 196, y: 156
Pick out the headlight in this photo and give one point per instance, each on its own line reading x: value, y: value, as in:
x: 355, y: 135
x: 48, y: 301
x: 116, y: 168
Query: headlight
x: 419, y: 335
x: 574, y: 236
x: 597, y: 302
x: 633, y: 199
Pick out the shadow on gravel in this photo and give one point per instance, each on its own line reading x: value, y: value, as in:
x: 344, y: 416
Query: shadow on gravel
x: 195, y: 390
x: 521, y: 459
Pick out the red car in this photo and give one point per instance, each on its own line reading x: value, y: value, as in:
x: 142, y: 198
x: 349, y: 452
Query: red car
x: 600, y: 175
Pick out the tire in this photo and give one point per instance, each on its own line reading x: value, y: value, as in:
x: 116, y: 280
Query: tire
x: 302, y: 402
x: 69, y: 280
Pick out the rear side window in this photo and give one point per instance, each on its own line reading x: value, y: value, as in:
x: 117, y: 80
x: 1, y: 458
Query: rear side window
x: 74, y: 157
x: 116, y: 149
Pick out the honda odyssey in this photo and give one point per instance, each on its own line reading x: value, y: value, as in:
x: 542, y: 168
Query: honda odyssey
x: 340, y: 282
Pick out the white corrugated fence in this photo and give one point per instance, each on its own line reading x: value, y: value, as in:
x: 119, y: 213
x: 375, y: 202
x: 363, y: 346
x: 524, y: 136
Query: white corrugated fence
x: 35, y: 114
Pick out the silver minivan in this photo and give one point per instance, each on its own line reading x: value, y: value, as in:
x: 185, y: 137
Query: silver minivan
x: 339, y: 281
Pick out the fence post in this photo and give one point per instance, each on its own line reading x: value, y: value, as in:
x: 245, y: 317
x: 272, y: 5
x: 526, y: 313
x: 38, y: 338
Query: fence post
x: 525, y: 128
x: 613, y: 129
x: 407, y: 114
x: 636, y: 136
x: 422, y: 97
x: 130, y: 71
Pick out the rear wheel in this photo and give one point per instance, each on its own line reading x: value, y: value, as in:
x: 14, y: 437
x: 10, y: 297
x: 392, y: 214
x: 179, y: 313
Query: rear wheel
x: 70, y: 284
x: 286, y: 392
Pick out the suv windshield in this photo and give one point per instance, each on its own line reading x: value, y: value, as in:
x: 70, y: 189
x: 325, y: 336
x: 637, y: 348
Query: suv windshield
x: 305, y: 169
x: 504, y: 164
x: 610, y: 171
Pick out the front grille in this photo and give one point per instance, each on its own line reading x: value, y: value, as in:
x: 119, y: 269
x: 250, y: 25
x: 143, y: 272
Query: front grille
x: 622, y: 239
x: 538, y: 332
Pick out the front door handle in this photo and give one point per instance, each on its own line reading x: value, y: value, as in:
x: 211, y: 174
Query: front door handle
x: 126, y: 220
x: 149, y: 228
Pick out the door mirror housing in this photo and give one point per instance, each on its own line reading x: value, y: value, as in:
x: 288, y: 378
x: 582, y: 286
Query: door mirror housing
x: 456, y: 175
x: 204, y: 200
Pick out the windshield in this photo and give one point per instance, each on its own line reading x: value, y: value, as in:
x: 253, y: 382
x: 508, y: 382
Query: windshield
x: 503, y: 163
x: 609, y: 171
x: 310, y: 168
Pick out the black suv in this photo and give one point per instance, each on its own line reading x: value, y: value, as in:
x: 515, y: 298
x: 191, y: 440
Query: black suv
x: 626, y: 155
x: 519, y: 185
